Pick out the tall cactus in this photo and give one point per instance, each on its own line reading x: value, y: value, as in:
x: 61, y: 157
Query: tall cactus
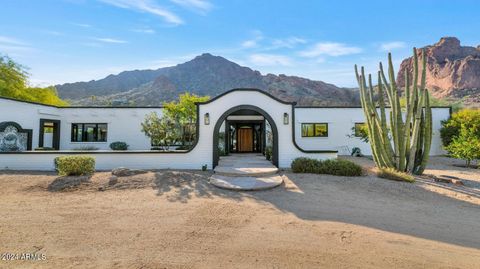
x: 404, y: 143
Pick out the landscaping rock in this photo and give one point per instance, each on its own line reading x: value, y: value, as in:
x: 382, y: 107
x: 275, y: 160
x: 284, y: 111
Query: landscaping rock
x: 125, y: 172
x: 68, y: 183
x: 443, y: 180
x: 113, y: 180
x: 457, y: 182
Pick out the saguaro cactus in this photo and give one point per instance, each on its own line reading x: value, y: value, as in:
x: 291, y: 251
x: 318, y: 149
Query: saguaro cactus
x: 404, y: 143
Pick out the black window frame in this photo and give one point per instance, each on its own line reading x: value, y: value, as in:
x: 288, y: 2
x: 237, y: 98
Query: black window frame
x: 355, y: 128
x: 314, y: 129
x: 75, y: 128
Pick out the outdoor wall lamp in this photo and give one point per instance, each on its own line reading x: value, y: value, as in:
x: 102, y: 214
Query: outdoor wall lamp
x: 206, y: 118
x: 285, y: 118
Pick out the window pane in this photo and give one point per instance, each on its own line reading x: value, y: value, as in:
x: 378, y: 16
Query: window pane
x: 90, y: 133
x: 102, y: 133
x: 321, y: 129
x: 77, y: 132
x: 307, y: 129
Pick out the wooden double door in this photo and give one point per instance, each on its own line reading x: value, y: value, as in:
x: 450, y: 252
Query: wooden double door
x: 245, y: 136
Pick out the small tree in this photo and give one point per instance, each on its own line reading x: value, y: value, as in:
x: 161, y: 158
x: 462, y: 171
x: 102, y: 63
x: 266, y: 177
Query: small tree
x: 163, y: 132
x: 466, y: 118
x: 465, y: 146
x: 184, y: 112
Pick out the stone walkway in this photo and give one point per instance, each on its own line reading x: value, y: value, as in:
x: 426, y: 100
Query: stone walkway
x: 245, y: 172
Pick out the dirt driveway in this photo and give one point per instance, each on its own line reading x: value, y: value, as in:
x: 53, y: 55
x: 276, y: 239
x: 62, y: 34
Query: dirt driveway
x: 168, y: 219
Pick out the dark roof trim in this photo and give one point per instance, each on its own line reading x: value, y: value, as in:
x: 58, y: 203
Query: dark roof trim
x: 112, y: 107
x: 449, y: 107
x: 246, y: 90
x: 92, y: 152
x: 28, y: 102
x: 40, y: 104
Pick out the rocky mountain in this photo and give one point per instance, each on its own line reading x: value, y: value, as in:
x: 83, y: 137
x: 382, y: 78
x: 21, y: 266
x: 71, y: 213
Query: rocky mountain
x: 204, y: 75
x: 453, y: 71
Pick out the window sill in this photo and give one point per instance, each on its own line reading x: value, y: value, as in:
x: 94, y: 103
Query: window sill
x: 88, y: 142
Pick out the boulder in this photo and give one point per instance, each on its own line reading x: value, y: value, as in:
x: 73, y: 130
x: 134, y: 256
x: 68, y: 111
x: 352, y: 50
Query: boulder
x: 125, y: 172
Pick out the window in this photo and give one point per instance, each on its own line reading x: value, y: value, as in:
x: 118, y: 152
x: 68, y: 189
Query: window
x: 359, y: 129
x: 89, y: 132
x: 314, y: 129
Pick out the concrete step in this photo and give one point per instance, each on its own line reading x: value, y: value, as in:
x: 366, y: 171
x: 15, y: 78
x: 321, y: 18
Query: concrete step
x: 246, y: 171
x: 246, y: 183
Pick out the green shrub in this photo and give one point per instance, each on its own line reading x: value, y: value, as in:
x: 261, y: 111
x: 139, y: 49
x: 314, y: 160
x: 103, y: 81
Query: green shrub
x: 268, y: 153
x: 465, y: 146
x: 305, y: 165
x: 335, y: 167
x: 75, y: 165
x: 339, y: 167
x: 392, y: 174
x: 118, y: 145
x: 466, y: 118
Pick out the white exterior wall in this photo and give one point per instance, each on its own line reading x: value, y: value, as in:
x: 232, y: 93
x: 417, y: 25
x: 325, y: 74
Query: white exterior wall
x: 27, y: 115
x: 341, y: 120
x: 124, y: 125
x: 287, y: 150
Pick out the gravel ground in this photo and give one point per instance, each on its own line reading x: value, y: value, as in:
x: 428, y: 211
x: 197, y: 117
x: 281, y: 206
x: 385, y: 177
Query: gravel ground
x: 175, y: 219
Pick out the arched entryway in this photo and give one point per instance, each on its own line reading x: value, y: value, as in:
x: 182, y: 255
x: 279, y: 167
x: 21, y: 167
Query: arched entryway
x: 256, y: 110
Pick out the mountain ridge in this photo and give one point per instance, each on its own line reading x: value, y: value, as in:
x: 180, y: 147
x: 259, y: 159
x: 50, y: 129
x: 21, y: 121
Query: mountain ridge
x: 206, y: 74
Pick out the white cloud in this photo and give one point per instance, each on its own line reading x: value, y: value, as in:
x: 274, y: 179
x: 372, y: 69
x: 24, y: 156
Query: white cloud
x: 252, y: 43
x: 329, y: 49
x: 200, y: 6
x: 388, y: 46
x: 84, y: 25
x: 144, y: 30
x: 11, y: 41
x: 109, y: 40
x: 288, y: 42
x: 147, y: 6
x: 249, y: 43
x: 270, y: 60
x: 13, y: 46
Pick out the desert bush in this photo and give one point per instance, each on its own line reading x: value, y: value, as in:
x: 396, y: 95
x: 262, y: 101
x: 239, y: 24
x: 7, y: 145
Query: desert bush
x: 118, y: 145
x: 75, y: 165
x: 468, y: 118
x: 335, y: 167
x: 305, y: 165
x: 465, y: 146
x: 392, y: 174
x: 339, y: 167
x: 268, y: 153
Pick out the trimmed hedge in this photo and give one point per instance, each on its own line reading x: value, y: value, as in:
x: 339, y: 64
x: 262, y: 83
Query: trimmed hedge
x: 336, y: 167
x: 392, y: 174
x: 118, y: 145
x: 75, y: 165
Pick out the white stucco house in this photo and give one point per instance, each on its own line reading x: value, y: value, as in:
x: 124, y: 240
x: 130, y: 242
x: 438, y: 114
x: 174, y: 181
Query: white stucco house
x: 249, y: 118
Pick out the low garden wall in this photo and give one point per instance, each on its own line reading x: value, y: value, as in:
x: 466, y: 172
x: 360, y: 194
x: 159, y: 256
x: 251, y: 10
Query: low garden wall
x: 105, y: 160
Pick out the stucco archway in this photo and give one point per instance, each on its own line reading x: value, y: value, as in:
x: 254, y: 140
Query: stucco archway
x: 222, y: 118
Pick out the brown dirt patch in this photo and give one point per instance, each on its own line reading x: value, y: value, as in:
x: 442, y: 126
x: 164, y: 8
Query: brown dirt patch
x: 175, y: 219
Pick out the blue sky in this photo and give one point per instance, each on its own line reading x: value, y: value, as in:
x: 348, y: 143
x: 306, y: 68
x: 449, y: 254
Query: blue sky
x: 80, y: 40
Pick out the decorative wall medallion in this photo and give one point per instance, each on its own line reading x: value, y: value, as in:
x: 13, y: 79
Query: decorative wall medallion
x: 13, y: 138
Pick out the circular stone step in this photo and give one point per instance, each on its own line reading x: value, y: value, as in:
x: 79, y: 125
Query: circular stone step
x: 246, y: 183
x: 257, y: 171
